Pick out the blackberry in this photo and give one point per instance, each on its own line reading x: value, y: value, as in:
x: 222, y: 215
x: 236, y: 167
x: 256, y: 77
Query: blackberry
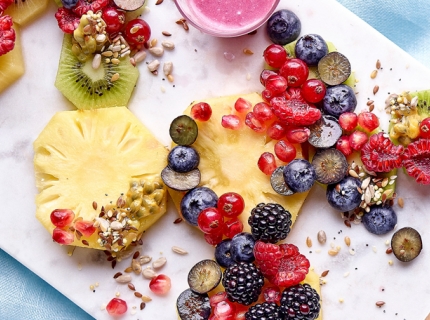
x: 243, y: 282
x: 300, y: 302
x: 69, y: 4
x: 270, y: 222
x: 263, y: 311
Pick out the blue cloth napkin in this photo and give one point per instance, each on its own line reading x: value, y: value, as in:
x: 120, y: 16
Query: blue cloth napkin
x: 25, y: 296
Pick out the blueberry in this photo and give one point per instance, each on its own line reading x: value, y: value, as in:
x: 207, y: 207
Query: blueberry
x: 283, y: 27
x: 242, y: 247
x: 311, y: 48
x: 339, y: 99
x: 222, y: 254
x: 380, y: 219
x: 183, y: 159
x: 195, y: 201
x: 344, y: 196
x: 299, y: 175
x: 325, y: 132
x: 69, y: 4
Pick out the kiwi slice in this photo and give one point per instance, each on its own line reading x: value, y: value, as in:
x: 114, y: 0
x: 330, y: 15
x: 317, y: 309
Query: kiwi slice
x: 204, y: 276
x: 330, y: 165
x: 181, y: 181
x: 183, y: 130
x: 406, y: 244
x: 334, y: 68
x: 89, y: 88
x: 278, y: 182
x: 193, y: 306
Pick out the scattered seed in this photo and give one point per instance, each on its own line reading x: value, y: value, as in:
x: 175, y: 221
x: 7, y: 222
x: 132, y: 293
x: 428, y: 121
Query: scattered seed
x: 248, y: 51
x: 116, y: 275
x: 97, y: 60
x: 157, y: 3
x: 156, y: 51
x: 148, y: 273
x: 115, y: 77
x: 347, y: 241
x: 309, y: 242
x: 351, y: 252
x: 379, y: 303
x: 373, y: 74
x: 135, y: 264
x: 177, y: 220
x: 325, y: 273
x: 169, y: 45
x: 400, y: 202
x: 134, y: 29
x: 166, y: 33
x: 137, y: 294
x: 346, y: 274
x: 136, y: 255
x: 378, y: 64
x: 146, y: 299
x: 179, y: 250
x: 143, y: 304
x: 153, y: 65
x: 371, y: 107
x: 139, y: 56
x: 94, y: 205
x: 333, y: 252
x: 353, y: 173
x: 131, y: 286
x: 347, y: 223
x: 390, y: 262
x: 115, y: 61
x: 389, y: 250
x: 124, y: 278
x: 322, y: 238
x: 144, y: 259
x: 128, y: 270
x: 184, y: 24
x: 85, y: 242
x: 167, y: 68
x: 375, y: 89
x: 369, y: 102
x: 170, y: 78
x: 159, y: 263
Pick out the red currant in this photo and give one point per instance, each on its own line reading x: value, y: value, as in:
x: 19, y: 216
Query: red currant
x: 116, y: 307
x: 295, y: 71
x: 230, y: 121
x: 276, y: 131
x: 276, y: 84
x: 201, y: 111
x: 231, y: 204
x: 62, y: 236
x: 348, y: 121
x: 285, y: 151
x: 262, y: 111
x: 85, y: 227
x: 255, y: 124
x: 344, y: 146
x: 115, y: 20
x: 210, y: 220
x: 425, y: 128
x: 357, y: 139
x: 213, y: 239
x: 242, y: 105
x: 368, y: 121
x: 297, y: 135
x: 233, y: 227
x: 160, y: 284
x: 62, y: 217
x: 267, y: 163
x: 265, y: 74
x: 137, y: 33
x: 275, y: 55
x: 313, y: 90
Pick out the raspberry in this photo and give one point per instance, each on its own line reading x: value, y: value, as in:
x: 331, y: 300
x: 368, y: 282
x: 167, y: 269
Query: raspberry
x: 416, y: 162
x: 295, y: 112
x: 7, y: 34
x: 83, y: 6
x: 300, y: 302
x: 67, y: 20
x: 379, y: 154
x: 282, y: 265
x: 4, y: 4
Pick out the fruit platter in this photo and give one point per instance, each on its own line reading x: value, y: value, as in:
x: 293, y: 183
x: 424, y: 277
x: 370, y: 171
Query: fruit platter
x: 147, y: 194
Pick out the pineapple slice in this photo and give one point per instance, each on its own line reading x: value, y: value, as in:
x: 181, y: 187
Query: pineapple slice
x: 11, y: 63
x: 98, y: 161
x: 25, y: 11
x: 228, y: 161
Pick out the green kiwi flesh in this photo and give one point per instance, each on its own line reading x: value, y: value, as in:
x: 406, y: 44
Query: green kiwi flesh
x: 88, y: 88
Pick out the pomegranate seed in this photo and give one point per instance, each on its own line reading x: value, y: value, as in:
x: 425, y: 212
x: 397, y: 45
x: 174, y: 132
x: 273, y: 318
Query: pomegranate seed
x: 62, y: 217
x: 275, y: 55
x: 313, y: 90
x: 262, y: 111
x: 240, y: 315
x: 295, y: 71
x: 255, y: 124
x: 298, y: 135
x: 224, y: 310
x: 231, y: 204
x: 368, y: 121
x: 272, y: 294
x: 210, y: 220
x: 85, y: 227
x: 266, y: 163
x: 357, y: 139
x: 160, y: 285
x: 344, y: 146
x: 265, y: 74
x: 230, y: 121
x: 241, y: 105
x: 201, y: 111
x: 425, y: 128
x: 276, y: 131
x: 348, y: 121
x: 267, y: 95
x: 276, y: 84
x: 116, y: 307
x: 233, y: 227
x: 217, y: 298
x: 285, y: 151
x: 213, y: 239
x: 62, y: 236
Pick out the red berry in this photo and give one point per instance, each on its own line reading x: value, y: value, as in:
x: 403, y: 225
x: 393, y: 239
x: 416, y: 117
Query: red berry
x: 62, y: 236
x: 115, y: 19
x: 160, y: 284
x: 282, y: 265
x: 242, y: 105
x: 231, y: 121
x: 285, y: 151
x: 224, y: 310
x: 343, y: 145
x: 379, y: 154
x: 297, y: 135
x: 425, y: 128
x: 67, y: 20
x: 231, y: 204
x: 217, y: 298
x: 272, y: 294
x: 267, y: 95
x: 116, y: 307
x: 276, y: 84
x: 255, y: 124
x: 210, y: 220
x: 213, y: 239
x: 295, y: 112
x: 265, y: 74
x: 416, y: 160
x: 83, y: 6
x: 233, y: 227
x: 276, y: 131
x: 266, y: 163
x: 201, y: 111
x: 275, y: 55
x: 62, y: 217
x: 368, y: 121
x: 3, y: 6
x: 137, y: 32
x: 294, y: 94
x: 313, y: 90
x: 348, y: 121
x: 295, y: 71
x: 240, y: 315
x: 263, y: 112
x: 357, y: 139
x: 85, y: 227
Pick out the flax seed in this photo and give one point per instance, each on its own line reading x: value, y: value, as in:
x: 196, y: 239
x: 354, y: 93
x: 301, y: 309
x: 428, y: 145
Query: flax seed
x: 375, y: 89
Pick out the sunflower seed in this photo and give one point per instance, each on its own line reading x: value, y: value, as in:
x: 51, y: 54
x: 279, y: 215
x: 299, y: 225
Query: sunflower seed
x: 159, y: 263
x: 322, y: 238
x: 373, y: 74
x: 124, y: 278
x: 156, y: 51
x: 153, y: 65
x: 179, y: 250
x: 136, y: 266
x: 145, y: 259
x: 347, y: 241
x: 333, y: 252
x: 139, y: 56
x: 352, y: 173
x: 169, y: 45
x: 167, y: 68
x: 365, y: 183
x: 97, y: 60
x: 148, y: 273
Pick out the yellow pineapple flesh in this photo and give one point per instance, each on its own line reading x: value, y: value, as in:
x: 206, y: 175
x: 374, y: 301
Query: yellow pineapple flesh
x: 25, y: 11
x: 86, y: 160
x: 228, y: 160
x: 11, y: 63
